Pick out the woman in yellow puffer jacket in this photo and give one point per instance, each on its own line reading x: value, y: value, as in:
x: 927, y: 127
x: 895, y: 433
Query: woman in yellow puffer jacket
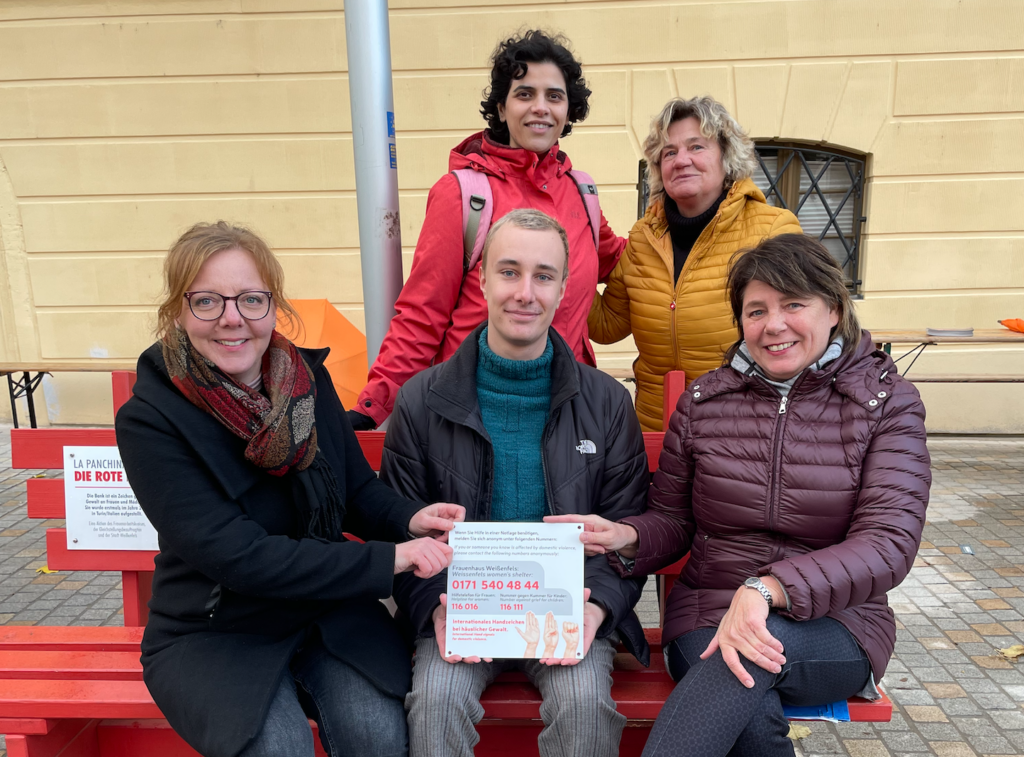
x: 668, y: 288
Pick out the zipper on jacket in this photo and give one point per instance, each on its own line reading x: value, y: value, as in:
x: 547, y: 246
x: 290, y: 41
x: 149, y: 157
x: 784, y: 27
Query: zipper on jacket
x: 703, y: 562
x: 776, y: 486
x: 548, y: 490
x: 677, y: 284
x: 487, y: 478
x: 675, y: 342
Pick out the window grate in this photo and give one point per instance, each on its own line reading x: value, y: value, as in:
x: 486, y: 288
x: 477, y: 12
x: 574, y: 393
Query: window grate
x: 824, y: 189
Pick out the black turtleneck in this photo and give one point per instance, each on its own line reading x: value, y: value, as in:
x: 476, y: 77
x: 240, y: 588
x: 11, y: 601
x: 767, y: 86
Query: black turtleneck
x: 685, y: 230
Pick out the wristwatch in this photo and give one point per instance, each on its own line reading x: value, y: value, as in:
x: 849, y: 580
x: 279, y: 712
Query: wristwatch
x: 758, y: 585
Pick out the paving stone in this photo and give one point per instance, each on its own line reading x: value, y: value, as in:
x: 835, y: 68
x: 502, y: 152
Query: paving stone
x: 959, y: 706
x: 991, y: 661
x: 952, y: 749
x: 1008, y: 720
x: 992, y: 745
x: 938, y: 731
x: 903, y: 741
x: 865, y: 748
x: 975, y: 726
x: 982, y: 685
x: 925, y: 713
x: 911, y: 696
x: 1012, y: 677
x: 945, y: 690
x: 994, y: 702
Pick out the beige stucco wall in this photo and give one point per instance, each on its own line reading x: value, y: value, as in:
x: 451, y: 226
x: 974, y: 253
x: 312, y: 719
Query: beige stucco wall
x: 124, y: 121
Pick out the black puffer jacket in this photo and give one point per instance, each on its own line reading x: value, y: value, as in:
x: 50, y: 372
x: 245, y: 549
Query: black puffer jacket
x: 437, y: 450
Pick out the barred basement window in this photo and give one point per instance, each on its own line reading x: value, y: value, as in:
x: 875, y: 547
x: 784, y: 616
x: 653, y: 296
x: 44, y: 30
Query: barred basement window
x: 824, y: 189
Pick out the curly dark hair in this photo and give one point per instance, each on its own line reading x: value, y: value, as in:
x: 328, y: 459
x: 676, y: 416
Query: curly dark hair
x: 510, y: 59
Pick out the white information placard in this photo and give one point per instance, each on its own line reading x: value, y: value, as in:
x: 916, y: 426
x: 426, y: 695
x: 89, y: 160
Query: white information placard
x: 100, y: 507
x: 515, y: 590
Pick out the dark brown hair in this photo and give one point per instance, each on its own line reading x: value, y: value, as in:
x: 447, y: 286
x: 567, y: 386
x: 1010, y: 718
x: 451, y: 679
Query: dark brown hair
x: 797, y: 266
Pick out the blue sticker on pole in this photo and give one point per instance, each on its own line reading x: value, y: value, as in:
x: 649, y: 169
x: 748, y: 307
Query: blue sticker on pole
x: 391, y: 124
x: 394, y: 156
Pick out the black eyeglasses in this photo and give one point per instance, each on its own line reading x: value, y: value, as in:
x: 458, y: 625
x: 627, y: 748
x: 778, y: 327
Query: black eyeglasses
x: 209, y: 306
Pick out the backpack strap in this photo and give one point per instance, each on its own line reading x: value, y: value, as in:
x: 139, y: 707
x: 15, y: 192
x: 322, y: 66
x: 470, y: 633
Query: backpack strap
x: 588, y: 191
x: 477, y: 208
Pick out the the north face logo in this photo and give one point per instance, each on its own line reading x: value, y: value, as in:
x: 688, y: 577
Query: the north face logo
x: 586, y: 447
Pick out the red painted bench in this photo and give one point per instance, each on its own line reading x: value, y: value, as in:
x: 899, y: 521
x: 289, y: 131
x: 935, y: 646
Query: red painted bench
x: 78, y: 691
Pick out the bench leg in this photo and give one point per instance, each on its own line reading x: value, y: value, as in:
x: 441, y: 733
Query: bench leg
x: 29, y: 389
x: 14, y: 399
x: 136, y: 588
x: 69, y: 738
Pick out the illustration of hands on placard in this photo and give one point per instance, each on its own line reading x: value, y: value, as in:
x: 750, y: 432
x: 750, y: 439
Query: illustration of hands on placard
x: 515, y: 590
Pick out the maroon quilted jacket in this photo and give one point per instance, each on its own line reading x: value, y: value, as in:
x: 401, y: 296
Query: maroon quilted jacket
x: 826, y: 492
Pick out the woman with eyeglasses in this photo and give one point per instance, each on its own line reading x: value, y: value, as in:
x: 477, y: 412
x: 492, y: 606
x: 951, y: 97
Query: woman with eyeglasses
x: 264, y: 612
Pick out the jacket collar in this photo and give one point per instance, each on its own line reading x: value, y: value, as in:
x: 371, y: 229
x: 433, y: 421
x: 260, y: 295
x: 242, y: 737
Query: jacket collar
x: 215, y: 445
x: 453, y: 393
x: 864, y: 375
x: 730, y: 208
x: 483, y: 153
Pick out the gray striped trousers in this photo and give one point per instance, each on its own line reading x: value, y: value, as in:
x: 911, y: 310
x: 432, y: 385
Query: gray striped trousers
x: 580, y: 719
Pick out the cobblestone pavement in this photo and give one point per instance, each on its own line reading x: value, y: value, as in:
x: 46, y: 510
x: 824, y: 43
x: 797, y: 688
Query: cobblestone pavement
x: 954, y: 695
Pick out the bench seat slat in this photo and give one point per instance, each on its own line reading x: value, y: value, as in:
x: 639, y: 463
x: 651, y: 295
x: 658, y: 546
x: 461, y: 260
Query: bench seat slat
x: 27, y: 726
x: 79, y: 665
x: 44, y: 447
x: 71, y: 638
x: 23, y: 698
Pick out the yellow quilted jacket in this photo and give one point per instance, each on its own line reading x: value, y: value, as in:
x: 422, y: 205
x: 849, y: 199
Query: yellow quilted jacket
x: 687, y: 326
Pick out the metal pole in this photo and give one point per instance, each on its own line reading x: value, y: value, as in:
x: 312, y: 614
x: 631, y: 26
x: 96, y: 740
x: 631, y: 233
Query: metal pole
x: 376, y: 163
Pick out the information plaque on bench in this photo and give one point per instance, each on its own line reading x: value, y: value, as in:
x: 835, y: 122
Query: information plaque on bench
x: 100, y: 507
x: 515, y: 590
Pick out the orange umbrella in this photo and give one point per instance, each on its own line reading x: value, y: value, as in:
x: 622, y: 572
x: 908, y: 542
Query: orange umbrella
x: 1014, y: 324
x: 324, y: 326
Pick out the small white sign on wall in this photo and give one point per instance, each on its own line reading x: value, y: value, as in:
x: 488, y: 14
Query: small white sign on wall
x: 100, y: 507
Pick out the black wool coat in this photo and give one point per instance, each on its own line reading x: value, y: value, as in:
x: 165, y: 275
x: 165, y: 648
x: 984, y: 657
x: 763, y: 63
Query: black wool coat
x: 437, y: 450
x: 235, y: 593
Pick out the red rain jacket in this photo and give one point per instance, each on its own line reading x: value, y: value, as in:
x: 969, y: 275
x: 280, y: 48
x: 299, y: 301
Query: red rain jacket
x: 435, y: 312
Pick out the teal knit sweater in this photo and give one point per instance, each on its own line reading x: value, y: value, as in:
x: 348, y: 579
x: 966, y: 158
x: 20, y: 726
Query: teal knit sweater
x: 515, y: 399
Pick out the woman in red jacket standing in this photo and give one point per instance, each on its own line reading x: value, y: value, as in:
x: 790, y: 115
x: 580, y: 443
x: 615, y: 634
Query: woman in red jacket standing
x: 797, y: 477
x: 537, y: 93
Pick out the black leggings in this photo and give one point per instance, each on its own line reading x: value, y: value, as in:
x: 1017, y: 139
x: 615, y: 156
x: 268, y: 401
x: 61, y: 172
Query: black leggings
x: 711, y: 714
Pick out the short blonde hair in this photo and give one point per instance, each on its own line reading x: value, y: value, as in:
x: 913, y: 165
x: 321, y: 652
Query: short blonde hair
x: 738, y: 157
x: 530, y: 220
x: 199, y: 244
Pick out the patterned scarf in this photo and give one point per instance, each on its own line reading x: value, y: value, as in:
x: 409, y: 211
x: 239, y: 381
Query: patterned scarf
x: 280, y: 431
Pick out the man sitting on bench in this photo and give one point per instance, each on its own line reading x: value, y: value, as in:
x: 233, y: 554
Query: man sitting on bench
x: 513, y: 428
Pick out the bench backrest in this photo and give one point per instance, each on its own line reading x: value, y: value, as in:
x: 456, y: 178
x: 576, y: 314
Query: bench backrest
x: 43, y: 448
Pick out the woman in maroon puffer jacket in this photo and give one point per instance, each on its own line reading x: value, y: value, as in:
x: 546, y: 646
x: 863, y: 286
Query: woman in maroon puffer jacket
x: 797, y: 477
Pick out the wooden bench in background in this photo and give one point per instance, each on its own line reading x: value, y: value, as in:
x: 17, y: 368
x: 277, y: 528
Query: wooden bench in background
x: 78, y: 691
x: 27, y: 384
